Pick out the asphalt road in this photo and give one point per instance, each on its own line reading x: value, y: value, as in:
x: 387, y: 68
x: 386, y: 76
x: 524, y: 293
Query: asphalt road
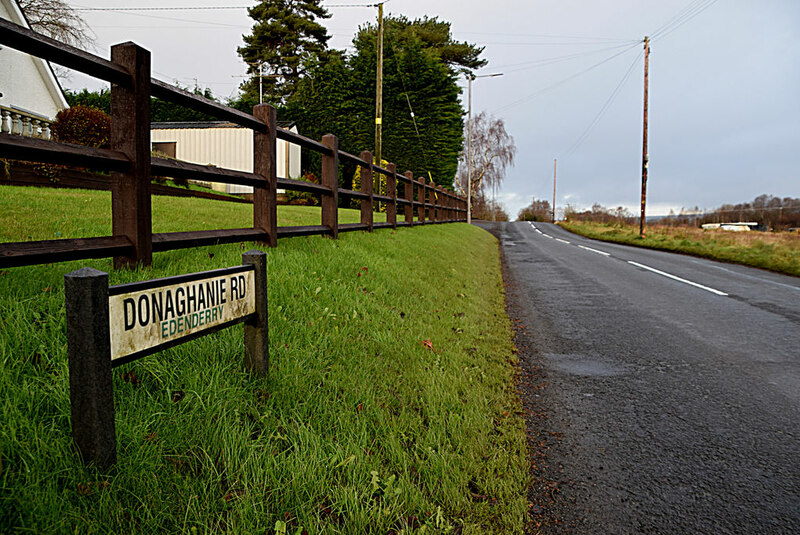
x: 662, y: 391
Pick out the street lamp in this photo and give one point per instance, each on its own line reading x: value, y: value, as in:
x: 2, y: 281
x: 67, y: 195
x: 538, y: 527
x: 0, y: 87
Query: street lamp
x: 470, y: 78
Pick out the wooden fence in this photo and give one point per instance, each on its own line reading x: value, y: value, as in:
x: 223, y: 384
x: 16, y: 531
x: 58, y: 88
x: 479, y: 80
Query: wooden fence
x: 131, y: 165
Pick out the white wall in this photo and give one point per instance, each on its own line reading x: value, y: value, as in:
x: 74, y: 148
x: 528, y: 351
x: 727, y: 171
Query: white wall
x: 27, y: 82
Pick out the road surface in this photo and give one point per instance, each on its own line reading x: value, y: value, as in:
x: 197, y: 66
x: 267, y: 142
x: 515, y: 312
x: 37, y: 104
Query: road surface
x: 666, y: 387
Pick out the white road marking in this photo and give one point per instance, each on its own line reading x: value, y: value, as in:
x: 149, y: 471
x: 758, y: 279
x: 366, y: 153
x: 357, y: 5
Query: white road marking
x: 595, y: 250
x: 537, y: 230
x: 759, y: 279
x: 547, y: 236
x: 562, y: 241
x: 690, y: 283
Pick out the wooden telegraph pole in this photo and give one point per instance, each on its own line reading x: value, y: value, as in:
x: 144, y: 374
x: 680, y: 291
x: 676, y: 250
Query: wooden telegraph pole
x: 554, y: 190
x: 645, y: 156
x: 379, y: 90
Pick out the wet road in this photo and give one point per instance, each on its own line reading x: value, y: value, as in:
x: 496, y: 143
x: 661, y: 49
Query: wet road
x: 673, y: 384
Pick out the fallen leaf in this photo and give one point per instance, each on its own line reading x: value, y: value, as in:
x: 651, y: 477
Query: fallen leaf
x: 427, y: 343
x: 130, y: 377
x: 47, y: 289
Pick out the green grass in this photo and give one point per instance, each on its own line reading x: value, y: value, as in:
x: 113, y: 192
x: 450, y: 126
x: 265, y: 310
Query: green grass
x: 359, y: 427
x: 45, y: 214
x: 779, y: 251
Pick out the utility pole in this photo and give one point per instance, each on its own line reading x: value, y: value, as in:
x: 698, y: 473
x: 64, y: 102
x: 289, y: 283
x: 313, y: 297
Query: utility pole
x: 554, y: 189
x: 379, y: 90
x: 645, y: 155
x: 470, y: 77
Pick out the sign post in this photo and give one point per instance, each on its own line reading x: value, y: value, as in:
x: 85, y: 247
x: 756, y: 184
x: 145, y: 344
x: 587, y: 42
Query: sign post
x: 91, y: 392
x: 111, y: 326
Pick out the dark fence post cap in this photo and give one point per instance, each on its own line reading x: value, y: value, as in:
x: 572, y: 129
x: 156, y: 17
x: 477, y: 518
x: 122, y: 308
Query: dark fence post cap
x: 254, y: 252
x: 86, y: 273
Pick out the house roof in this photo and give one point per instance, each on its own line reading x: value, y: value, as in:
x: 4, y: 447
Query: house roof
x: 17, y: 16
x: 179, y: 125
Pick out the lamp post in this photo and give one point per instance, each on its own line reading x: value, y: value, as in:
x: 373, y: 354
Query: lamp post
x: 470, y: 78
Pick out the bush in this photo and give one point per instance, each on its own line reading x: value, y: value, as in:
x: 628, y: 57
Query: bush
x: 83, y: 125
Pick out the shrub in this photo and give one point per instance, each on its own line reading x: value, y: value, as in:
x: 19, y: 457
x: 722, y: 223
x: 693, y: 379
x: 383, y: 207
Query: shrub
x: 83, y: 125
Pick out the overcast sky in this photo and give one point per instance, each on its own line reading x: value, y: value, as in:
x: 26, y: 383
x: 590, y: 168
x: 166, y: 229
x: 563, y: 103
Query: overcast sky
x: 724, y: 87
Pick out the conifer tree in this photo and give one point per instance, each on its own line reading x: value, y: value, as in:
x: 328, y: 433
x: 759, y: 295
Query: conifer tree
x: 285, y: 39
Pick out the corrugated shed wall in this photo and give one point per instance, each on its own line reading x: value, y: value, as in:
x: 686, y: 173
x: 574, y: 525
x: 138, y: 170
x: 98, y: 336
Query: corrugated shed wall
x: 231, y: 148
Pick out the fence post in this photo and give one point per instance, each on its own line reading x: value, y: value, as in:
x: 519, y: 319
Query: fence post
x: 330, y: 179
x: 422, y: 198
x: 91, y: 391
x: 265, y: 201
x: 130, y: 134
x: 438, y: 202
x: 256, y: 330
x: 366, y: 187
x: 391, y: 191
x: 408, y: 191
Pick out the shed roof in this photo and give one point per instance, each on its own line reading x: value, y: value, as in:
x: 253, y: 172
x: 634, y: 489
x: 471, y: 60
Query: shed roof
x: 178, y: 125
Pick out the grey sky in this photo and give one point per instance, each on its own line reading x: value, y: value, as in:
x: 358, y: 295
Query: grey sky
x: 724, y: 114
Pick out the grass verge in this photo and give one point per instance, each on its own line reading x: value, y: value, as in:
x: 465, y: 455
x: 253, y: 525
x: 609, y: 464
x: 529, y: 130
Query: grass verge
x: 28, y: 213
x: 389, y: 406
x: 778, y: 252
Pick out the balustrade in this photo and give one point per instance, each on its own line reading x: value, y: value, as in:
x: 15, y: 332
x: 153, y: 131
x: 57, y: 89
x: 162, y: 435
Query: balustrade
x: 20, y: 123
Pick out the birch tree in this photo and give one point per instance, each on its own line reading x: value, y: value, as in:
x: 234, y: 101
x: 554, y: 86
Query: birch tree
x: 493, y: 151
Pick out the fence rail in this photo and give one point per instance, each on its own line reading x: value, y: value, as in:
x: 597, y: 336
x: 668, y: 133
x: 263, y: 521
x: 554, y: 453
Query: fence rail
x: 131, y: 166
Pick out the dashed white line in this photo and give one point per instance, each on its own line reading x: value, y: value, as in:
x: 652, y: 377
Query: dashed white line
x: 547, y: 235
x: 595, y: 250
x: 537, y: 230
x: 665, y: 274
x: 562, y: 241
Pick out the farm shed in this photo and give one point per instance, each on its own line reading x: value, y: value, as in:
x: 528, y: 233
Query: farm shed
x: 222, y: 144
x: 30, y: 95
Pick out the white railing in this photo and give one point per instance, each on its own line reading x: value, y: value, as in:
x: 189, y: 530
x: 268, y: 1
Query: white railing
x: 22, y: 123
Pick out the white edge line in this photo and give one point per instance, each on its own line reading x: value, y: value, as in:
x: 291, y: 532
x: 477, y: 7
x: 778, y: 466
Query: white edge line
x: 547, y: 236
x: 537, y: 230
x: 562, y: 241
x: 594, y: 250
x: 690, y: 283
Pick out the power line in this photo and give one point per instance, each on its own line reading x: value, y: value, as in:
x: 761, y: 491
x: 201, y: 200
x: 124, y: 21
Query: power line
x: 200, y: 8
x: 557, y: 59
x: 562, y: 82
x: 682, y: 17
x: 603, y: 109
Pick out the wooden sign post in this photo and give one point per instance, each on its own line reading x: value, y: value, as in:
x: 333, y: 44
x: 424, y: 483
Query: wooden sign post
x: 111, y: 326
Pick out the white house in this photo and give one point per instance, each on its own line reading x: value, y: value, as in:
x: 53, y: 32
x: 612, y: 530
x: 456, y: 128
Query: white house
x: 222, y: 144
x: 30, y: 95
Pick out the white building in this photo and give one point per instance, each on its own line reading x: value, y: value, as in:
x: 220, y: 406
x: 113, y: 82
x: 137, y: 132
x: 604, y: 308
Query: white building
x: 30, y: 95
x: 224, y: 145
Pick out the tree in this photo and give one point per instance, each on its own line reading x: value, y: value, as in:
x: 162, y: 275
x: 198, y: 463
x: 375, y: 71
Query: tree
x: 160, y: 110
x: 539, y: 210
x: 57, y: 20
x: 337, y: 96
x: 493, y: 151
x: 284, y: 40
x: 435, y: 37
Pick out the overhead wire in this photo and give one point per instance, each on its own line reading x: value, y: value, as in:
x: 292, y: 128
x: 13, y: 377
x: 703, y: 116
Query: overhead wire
x: 578, y: 142
x: 562, y: 82
x: 682, y: 17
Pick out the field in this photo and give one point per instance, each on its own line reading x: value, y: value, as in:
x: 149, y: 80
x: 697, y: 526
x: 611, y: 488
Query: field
x: 779, y: 251
x: 389, y: 407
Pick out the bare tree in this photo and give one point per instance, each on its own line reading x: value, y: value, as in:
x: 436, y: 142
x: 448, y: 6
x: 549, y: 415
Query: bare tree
x: 56, y: 19
x: 493, y: 151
